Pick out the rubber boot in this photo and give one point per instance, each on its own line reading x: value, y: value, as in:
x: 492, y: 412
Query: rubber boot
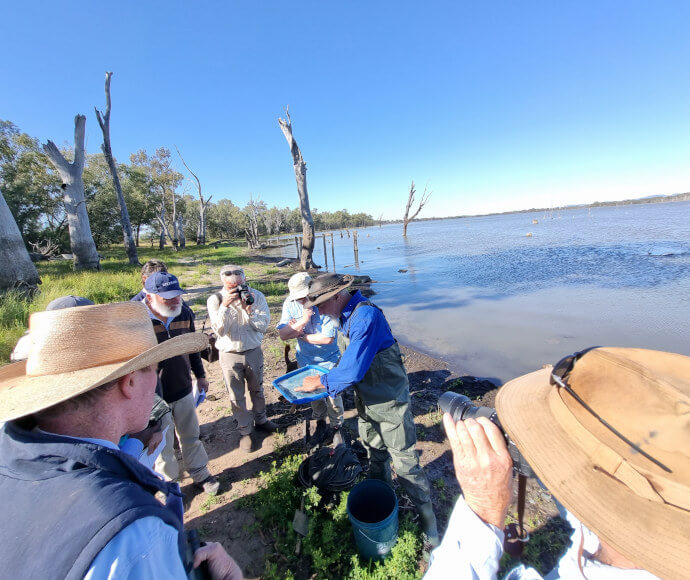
x: 320, y: 433
x: 427, y: 520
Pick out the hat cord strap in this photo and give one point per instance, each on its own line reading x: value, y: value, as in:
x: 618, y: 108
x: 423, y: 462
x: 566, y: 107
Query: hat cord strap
x: 515, y: 534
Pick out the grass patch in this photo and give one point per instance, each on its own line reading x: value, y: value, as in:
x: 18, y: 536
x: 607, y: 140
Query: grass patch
x: 328, y: 550
x: 116, y: 281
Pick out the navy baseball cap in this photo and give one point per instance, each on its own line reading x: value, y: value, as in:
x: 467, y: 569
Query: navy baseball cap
x: 68, y: 302
x: 163, y: 284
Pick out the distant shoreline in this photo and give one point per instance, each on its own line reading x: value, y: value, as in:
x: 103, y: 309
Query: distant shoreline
x: 637, y: 201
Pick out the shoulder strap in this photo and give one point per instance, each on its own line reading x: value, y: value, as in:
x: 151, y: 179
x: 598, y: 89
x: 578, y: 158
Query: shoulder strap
x: 363, y: 303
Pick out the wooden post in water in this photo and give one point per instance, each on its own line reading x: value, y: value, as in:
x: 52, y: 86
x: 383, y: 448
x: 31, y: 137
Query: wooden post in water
x: 354, y: 242
x: 333, y: 251
x: 325, y: 255
x: 297, y: 247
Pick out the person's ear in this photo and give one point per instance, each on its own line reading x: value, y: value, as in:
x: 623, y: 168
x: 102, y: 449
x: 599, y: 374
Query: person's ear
x: 126, y: 385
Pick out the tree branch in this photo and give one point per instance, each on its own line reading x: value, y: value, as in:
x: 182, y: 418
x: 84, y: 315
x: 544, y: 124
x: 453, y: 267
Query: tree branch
x: 58, y: 159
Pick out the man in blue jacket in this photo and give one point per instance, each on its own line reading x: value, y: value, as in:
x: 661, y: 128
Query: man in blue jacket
x: 373, y: 365
x: 74, y: 505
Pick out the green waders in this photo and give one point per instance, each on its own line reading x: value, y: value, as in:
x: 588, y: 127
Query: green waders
x: 387, y: 429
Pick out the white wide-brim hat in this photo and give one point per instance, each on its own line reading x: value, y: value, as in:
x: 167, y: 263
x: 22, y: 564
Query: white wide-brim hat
x: 298, y: 285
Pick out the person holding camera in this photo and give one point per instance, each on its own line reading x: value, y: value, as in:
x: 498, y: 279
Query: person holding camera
x: 606, y: 431
x: 240, y: 316
x: 74, y: 505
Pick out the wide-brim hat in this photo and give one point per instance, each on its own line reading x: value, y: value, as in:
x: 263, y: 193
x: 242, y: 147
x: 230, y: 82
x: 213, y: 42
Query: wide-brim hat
x: 298, y: 285
x: 327, y: 286
x: 78, y: 349
x: 628, y: 500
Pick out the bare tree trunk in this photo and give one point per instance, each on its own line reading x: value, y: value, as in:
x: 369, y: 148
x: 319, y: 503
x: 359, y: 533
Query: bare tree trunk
x: 203, y: 205
x: 174, y: 239
x: 251, y: 233
x: 180, y: 231
x: 16, y: 268
x: 136, y: 236
x: 80, y: 238
x: 164, y: 228
x: 300, y: 168
x: 104, y: 122
x: 410, y: 201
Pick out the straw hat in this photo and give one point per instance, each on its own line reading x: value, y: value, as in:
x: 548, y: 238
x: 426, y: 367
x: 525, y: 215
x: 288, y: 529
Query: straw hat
x: 298, y: 285
x: 627, y: 499
x: 327, y: 286
x: 77, y: 349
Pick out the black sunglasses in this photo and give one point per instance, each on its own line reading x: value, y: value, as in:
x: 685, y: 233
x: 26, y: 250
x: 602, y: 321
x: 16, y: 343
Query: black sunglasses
x: 559, y: 377
x: 233, y: 272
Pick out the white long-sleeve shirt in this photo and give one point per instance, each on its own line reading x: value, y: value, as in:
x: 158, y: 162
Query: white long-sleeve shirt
x: 237, y: 330
x: 472, y: 549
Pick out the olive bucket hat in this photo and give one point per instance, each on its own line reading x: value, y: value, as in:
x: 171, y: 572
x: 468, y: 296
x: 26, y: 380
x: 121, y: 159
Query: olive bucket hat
x: 607, y: 430
x: 326, y: 286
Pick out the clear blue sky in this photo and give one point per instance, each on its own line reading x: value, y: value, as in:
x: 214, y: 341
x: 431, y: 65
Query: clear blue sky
x: 496, y: 105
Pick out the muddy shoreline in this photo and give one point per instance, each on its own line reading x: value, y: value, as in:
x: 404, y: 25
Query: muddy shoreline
x: 223, y: 518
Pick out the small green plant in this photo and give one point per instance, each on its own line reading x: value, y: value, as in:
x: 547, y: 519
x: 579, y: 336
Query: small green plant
x: 210, y: 501
x: 440, y: 483
x: 329, y: 544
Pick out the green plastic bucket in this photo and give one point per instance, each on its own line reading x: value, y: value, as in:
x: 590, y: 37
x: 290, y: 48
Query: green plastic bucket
x: 372, y: 507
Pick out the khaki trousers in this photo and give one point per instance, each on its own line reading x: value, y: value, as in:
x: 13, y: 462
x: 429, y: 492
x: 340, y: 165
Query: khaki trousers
x: 238, y: 368
x: 182, y: 420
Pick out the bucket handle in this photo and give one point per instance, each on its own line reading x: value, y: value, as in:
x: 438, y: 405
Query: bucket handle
x: 391, y: 542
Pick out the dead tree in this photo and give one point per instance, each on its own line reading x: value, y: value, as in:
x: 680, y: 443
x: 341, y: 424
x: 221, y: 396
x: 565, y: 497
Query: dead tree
x: 180, y: 231
x: 17, y: 271
x: 410, y: 200
x: 164, y: 227
x: 80, y: 238
x: 203, y: 205
x: 300, y: 168
x: 45, y: 249
x: 251, y: 232
x: 104, y: 122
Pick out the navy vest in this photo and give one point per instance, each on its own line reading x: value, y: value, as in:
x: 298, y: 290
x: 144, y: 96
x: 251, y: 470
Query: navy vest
x: 64, y: 500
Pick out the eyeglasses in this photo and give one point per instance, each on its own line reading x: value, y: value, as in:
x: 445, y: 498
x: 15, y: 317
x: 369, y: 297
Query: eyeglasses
x: 559, y: 376
x: 233, y: 273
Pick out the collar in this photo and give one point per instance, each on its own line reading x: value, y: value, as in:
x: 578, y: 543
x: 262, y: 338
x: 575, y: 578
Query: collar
x: 355, y: 299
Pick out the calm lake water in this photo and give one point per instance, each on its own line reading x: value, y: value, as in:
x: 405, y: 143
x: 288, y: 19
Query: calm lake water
x: 480, y: 294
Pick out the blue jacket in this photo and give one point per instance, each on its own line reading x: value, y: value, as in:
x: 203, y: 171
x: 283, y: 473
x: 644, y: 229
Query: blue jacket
x: 63, y: 500
x: 368, y: 333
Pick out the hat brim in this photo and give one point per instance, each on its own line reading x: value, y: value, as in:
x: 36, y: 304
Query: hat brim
x: 652, y: 535
x: 328, y: 295
x: 297, y: 294
x: 22, y: 395
x: 171, y: 294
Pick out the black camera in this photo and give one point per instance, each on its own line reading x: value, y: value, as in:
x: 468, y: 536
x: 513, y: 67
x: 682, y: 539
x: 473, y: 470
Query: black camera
x: 460, y: 408
x: 245, y: 295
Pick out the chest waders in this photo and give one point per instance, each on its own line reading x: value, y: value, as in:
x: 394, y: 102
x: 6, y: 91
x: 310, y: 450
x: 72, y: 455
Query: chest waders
x: 385, y: 424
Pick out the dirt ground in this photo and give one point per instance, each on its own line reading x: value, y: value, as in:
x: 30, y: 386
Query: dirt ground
x: 221, y: 519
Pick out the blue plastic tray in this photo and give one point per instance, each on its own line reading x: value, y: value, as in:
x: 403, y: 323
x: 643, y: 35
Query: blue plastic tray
x: 286, y: 385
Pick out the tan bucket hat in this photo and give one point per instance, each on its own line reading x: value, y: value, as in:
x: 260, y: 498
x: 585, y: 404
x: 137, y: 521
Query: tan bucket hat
x: 326, y: 286
x: 629, y: 482
x: 298, y: 285
x: 77, y: 349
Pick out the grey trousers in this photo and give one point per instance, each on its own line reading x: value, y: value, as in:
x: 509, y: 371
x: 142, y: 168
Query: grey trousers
x: 240, y: 368
x: 182, y: 420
